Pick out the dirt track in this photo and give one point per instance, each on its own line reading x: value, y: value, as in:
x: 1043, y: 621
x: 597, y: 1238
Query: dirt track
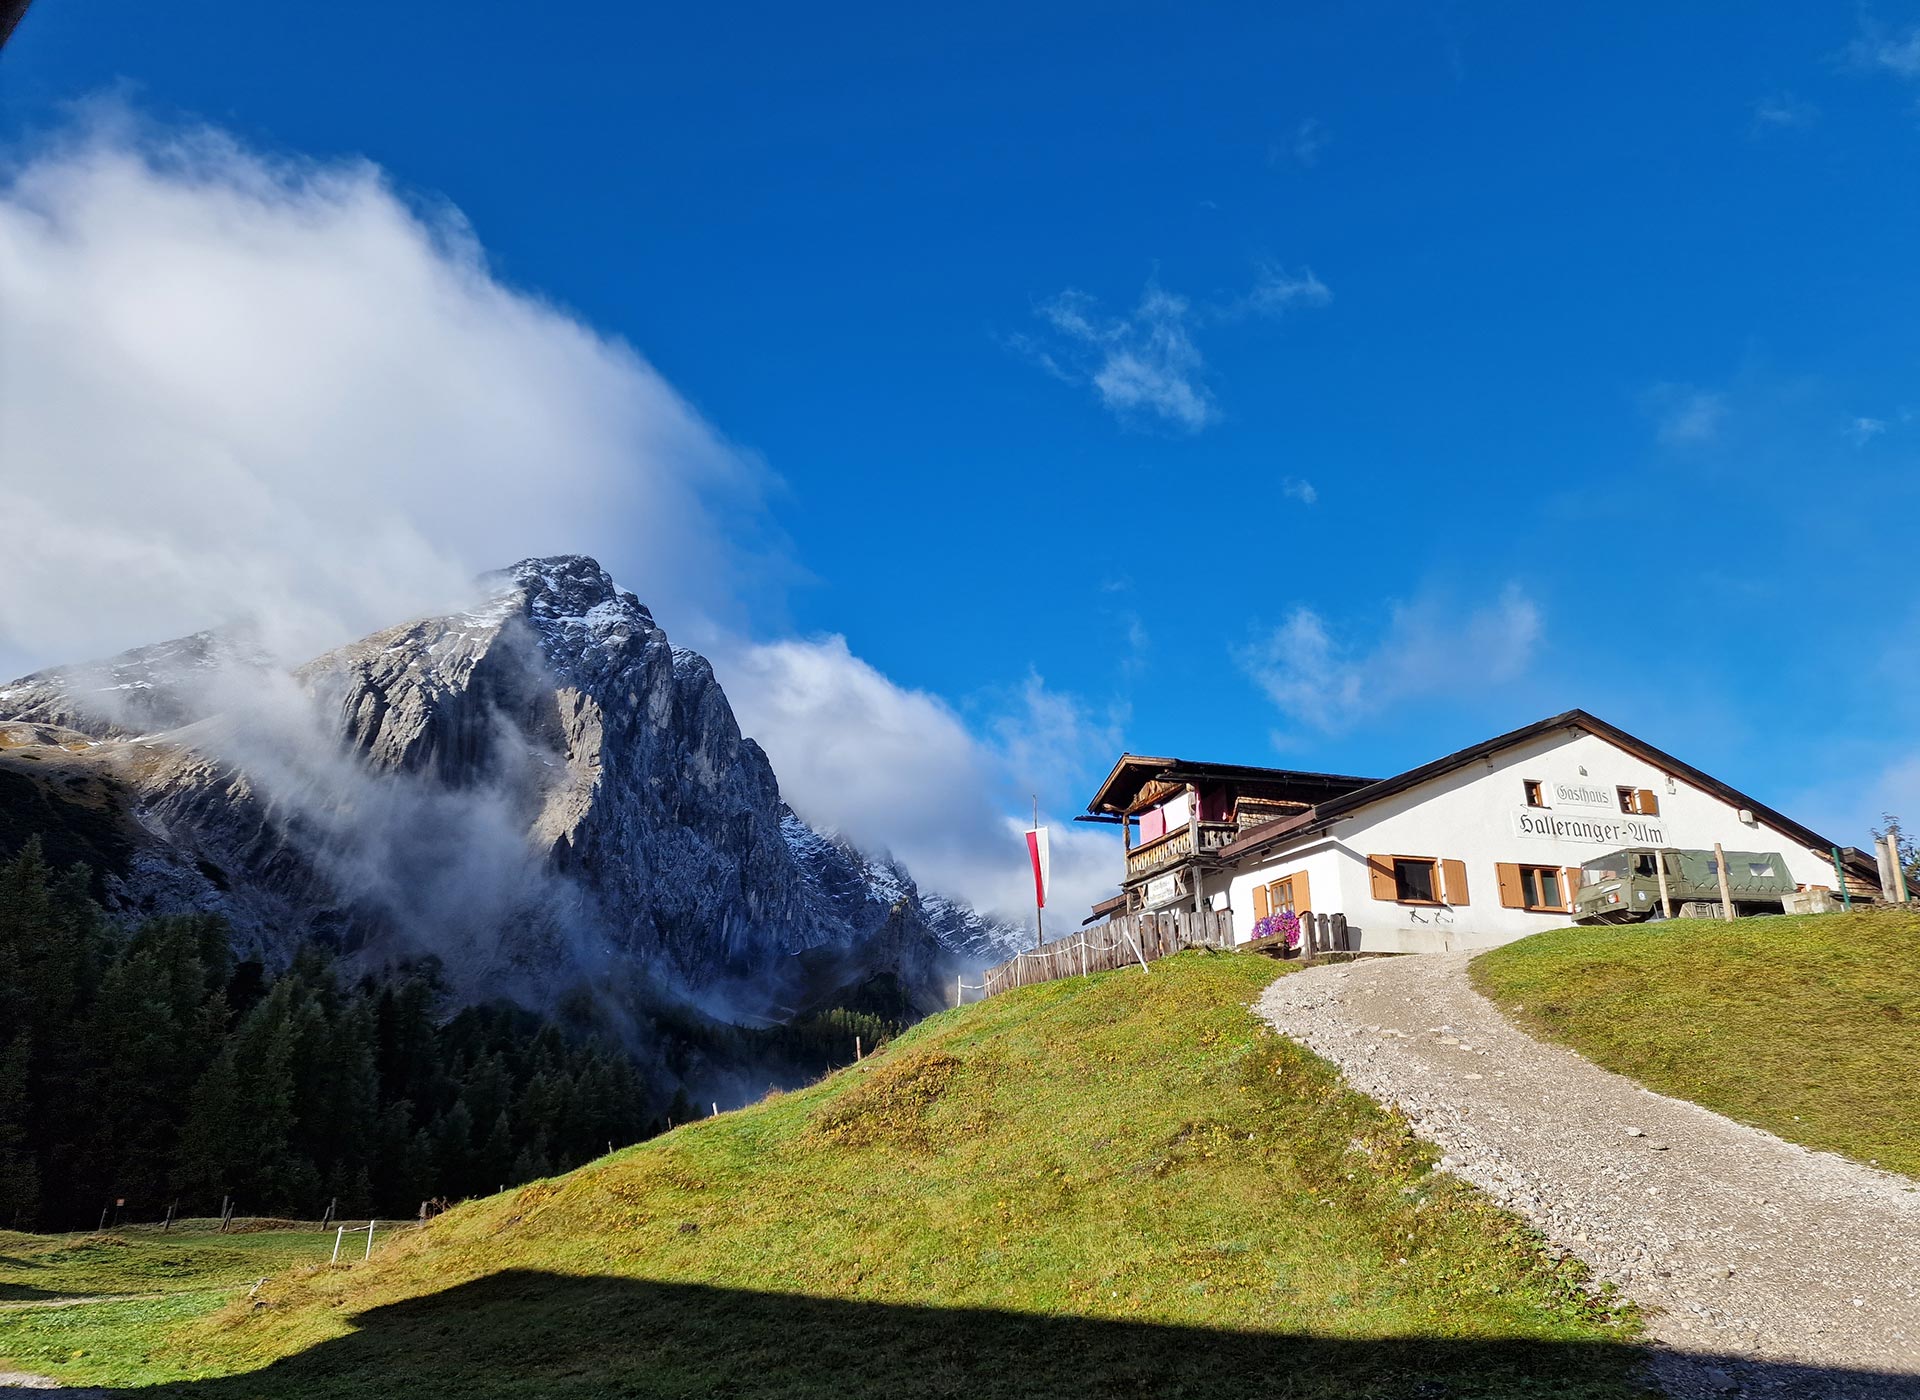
x: 1765, y: 1268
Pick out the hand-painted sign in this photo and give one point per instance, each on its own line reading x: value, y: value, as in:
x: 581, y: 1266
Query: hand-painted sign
x: 1621, y: 830
x: 1584, y: 795
x: 1166, y: 889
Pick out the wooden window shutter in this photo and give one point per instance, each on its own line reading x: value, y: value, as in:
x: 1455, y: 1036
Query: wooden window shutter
x: 1259, y: 902
x: 1302, y: 898
x: 1572, y: 872
x: 1381, y: 868
x: 1453, y: 881
x: 1511, y: 895
x: 1646, y: 802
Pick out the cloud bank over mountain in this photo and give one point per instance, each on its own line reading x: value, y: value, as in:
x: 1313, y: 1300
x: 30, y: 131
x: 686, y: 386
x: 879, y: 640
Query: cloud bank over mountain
x: 254, y: 388
x: 280, y: 387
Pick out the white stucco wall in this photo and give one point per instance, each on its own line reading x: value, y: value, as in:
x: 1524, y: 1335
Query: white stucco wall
x: 1468, y: 815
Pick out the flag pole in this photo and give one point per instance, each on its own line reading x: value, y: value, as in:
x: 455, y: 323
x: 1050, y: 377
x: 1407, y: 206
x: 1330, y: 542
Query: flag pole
x: 1039, y: 916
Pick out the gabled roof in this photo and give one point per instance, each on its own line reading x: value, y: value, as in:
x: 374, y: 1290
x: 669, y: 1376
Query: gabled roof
x: 1133, y: 772
x: 1325, y: 813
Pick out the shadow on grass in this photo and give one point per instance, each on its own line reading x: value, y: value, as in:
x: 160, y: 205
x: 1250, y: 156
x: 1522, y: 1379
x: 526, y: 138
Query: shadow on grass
x: 27, y: 1293
x: 525, y: 1334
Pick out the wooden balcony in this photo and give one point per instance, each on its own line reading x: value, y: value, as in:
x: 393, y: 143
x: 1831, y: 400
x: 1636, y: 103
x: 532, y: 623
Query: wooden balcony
x: 1176, y: 848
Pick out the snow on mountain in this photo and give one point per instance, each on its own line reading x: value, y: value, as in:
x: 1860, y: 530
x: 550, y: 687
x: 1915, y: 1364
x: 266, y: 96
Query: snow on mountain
x: 539, y: 789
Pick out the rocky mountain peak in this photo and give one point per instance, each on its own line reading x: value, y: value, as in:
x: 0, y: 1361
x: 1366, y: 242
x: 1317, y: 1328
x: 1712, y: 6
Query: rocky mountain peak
x: 534, y: 788
x: 146, y: 690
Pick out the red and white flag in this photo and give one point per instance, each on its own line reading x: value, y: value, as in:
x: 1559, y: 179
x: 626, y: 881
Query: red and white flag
x: 1042, y: 865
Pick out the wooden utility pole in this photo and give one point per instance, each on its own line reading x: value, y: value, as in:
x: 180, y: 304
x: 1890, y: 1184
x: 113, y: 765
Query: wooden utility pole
x: 1726, y: 895
x: 1666, y: 897
x: 1193, y: 839
x: 1893, y: 863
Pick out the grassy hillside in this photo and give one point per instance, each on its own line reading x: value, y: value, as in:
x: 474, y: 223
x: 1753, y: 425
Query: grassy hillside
x: 1807, y: 1026
x: 1119, y: 1185
x: 106, y: 1303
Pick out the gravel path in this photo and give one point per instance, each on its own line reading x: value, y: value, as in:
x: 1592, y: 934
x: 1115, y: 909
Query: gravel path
x: 1764, y: 1268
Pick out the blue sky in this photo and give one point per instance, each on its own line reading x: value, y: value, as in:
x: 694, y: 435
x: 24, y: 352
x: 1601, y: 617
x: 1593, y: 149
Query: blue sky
x: 1331, y: 389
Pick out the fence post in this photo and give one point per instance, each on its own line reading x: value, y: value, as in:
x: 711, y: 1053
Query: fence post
x: 338, y: 1235
x: 1340, y: 932
x: 369, y: 1254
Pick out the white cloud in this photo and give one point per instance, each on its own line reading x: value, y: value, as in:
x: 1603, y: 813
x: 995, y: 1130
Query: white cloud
x: 1783, y: 111
x: 234, y: 384
x: 1295, y: 489
x: 1429, y: 648
x: 1276, y: 290
x: 1147, y: 364
x: 1881, y: 50
x: 1686, y: 416
x: 1141, y: 364
x: 898, y: 769
x: 1864, y: 430
x: 240, y: 384
x: 1309, y: 140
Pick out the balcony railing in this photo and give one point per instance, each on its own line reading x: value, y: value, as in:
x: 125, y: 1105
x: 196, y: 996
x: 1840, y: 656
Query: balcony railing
x: 1176, y: 848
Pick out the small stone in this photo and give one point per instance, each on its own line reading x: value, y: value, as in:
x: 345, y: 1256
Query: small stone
x: 1635, y: 1132
x: 1719, y: 1380
x: 1658, y: 1146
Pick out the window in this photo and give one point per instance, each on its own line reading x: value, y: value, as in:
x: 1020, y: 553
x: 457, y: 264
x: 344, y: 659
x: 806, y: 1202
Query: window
x: 1639, y: 802
x: 1537, y: 887
x: 1290, y: 894
x: 1535, y: 797
x: 1540, y: 887
x: 1414, y: 881
x: 1760, y: 869
x: 1418, y: 880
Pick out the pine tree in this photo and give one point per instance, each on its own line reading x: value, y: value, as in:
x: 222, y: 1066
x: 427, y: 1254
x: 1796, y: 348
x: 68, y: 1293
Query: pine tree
x: 19, y: 1173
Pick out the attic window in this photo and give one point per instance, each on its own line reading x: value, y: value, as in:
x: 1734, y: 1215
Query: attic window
x: 1760, y: 869
x: 1535, y: 796
x: 1642, y: 802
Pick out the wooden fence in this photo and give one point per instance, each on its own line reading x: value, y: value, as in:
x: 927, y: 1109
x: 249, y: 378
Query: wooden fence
x: 1127, y: 938
x: 1142, y: 938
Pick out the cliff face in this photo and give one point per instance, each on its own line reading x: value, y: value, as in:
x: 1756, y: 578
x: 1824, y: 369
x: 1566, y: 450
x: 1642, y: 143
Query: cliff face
x: 541, y: 790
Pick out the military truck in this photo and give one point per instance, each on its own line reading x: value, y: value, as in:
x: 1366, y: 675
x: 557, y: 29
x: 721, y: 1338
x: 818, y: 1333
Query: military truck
x: 1624, y: 887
